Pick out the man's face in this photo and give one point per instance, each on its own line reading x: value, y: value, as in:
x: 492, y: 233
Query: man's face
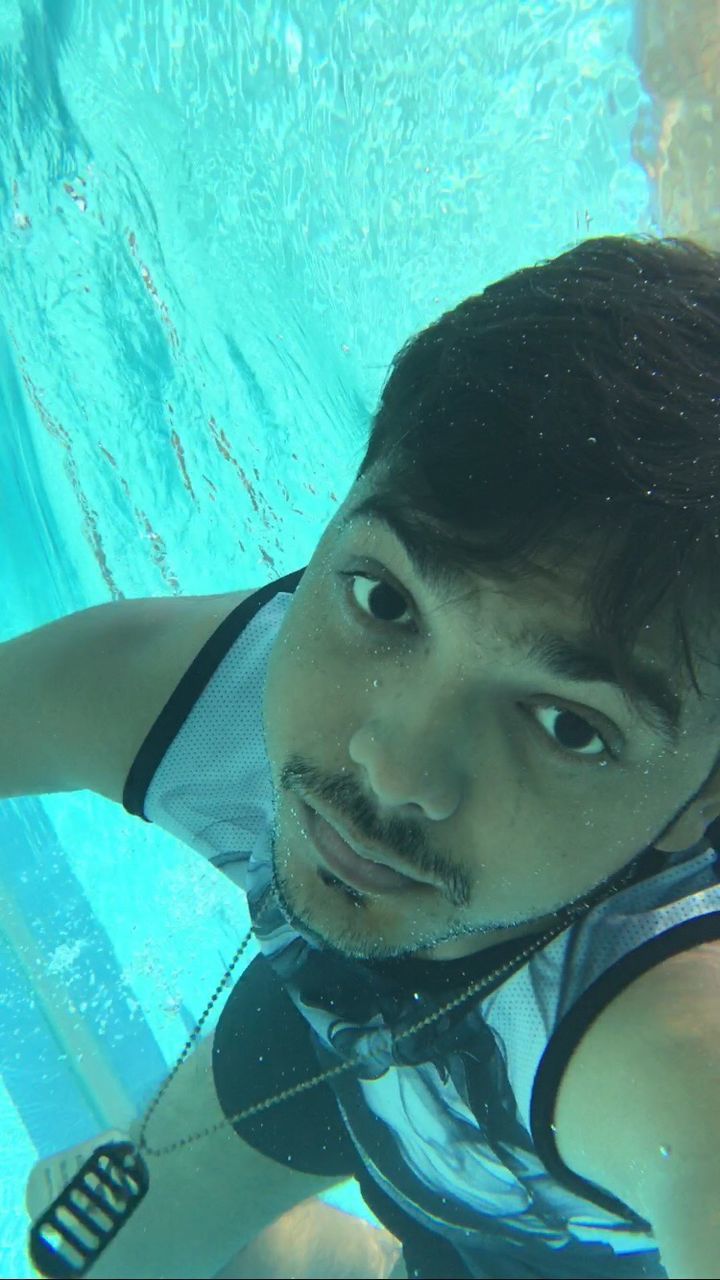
x: 431, y: 738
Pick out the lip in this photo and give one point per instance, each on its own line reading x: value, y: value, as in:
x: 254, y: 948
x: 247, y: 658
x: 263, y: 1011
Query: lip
x: 360, y: 869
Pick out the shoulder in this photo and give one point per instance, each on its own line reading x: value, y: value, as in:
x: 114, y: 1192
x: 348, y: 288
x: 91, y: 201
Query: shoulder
x: 81, y: 693
x: 646, y: 1073
x: 134, y: 664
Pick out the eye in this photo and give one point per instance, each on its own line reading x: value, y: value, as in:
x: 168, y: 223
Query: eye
x: 387, y: 599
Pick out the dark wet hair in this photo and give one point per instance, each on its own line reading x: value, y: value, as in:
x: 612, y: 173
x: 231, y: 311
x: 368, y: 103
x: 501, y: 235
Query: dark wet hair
x: 572, y: 409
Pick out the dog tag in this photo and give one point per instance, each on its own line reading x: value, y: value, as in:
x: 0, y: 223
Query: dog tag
x: 80, y: 1223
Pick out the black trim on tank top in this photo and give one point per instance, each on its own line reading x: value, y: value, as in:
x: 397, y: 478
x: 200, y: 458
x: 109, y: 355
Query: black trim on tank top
x: 190, y: 688
x: 570, y: 1031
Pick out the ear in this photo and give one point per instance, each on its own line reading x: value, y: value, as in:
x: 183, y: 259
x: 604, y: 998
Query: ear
x: 692, y: 826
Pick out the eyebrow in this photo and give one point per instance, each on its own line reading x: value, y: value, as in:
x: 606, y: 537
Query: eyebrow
x: 580, y: 659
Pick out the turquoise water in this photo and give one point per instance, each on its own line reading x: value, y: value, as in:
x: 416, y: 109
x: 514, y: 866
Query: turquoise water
x: 216, y: 230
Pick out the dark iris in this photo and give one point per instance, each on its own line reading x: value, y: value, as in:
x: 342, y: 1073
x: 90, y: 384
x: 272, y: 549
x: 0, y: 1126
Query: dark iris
x: 389, y: 598
x: 576, y: 732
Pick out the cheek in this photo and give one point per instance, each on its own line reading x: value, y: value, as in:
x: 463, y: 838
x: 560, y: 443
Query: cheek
x: 306, y: 691
x: 545, y: 850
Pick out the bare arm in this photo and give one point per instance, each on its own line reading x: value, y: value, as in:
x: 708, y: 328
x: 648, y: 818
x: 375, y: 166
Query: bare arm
x: 80, y: 694
x: 313, y: 1241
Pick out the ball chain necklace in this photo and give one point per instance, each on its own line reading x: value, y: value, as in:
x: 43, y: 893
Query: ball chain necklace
x: 90, y: 1211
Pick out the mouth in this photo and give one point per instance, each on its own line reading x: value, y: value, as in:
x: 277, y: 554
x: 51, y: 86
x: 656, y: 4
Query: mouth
x: 362, y: 870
